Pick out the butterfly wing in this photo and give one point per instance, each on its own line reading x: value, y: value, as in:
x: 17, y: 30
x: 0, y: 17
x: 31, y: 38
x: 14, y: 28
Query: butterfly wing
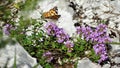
x: 51, y: 14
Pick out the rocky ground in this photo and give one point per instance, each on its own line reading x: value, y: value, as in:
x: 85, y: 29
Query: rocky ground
x: 84, y: 12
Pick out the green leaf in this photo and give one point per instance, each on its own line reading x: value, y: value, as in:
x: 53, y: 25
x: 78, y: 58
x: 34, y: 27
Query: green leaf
x: 63, y: 47
x: 48, y: 65
x: 54, y: 44
x: 30, y: 3
x: 69, y: 54
x: 15, y: 66
x: 81, y: 48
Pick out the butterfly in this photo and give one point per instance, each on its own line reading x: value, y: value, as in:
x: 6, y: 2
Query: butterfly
x: 51, y: 14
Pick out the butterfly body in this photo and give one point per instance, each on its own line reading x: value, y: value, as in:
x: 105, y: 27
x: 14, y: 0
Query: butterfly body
x: 51, y: 14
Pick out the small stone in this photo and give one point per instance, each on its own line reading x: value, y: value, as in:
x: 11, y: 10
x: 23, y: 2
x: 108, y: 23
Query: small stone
x: 86, y: 63
x: 115, y: 66
x: 117, y: 60
x: 115, y: 48
x: 106, y: 66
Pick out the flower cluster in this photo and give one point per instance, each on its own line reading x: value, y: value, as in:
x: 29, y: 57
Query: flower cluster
x: 61, y: 36
x: 7, y: 29
x: 98, y: 37
x: 69, y: 45
x: 51, y: 28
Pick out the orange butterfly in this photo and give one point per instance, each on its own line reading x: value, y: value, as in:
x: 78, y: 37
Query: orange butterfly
x: 51, y: 14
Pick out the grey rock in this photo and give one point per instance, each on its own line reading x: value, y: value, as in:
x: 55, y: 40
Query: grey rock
x: 106, y: 66
x: 12, y: 50
x: 115, y: 49
x: 117, y: 60
x: 86, y: 63
x: 115, y: 56
x: 115, y: 66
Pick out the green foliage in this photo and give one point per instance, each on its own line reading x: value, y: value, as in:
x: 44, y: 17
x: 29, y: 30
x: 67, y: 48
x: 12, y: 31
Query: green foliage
x: 75, y: 64
x: 92, y: 56
x: 28, y: 5
x: 48, y: 65
x: 1, y: 34
x: 7, y: 14
x: 50, y: 44
x: 4, y: 41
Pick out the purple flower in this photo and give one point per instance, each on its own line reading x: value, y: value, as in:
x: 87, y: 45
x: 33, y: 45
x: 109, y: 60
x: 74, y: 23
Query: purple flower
x: 103, y: 57
x: 94, y: 36
x: 61, y: 36
x: 102, y: 39
x: 78, y: 30
x: 98, y: 37
x: 107, y: 39
x: 84, y: 31
x: 69, y: 45
x: 7, y: 29
x: 101, y: 29
x: 51, y: 28
x: 48, y: 56
x: 87, y: 33
x: 99, y: 48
